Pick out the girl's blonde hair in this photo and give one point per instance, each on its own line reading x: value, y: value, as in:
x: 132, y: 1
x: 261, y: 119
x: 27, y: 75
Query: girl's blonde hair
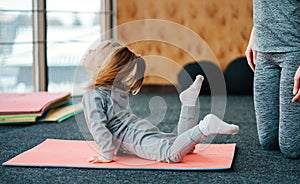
x: 98, y: 54
x: 123, y: 69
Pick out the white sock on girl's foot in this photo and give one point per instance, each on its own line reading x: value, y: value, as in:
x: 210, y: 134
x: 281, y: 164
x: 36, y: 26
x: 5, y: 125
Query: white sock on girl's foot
x: 211, y: 124
x: 190, y: 95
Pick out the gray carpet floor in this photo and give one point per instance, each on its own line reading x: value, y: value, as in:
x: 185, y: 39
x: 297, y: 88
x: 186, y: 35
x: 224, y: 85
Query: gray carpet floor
x: 251, y: 164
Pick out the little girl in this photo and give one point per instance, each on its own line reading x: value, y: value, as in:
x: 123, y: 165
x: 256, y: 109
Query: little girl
x: 114, y: 128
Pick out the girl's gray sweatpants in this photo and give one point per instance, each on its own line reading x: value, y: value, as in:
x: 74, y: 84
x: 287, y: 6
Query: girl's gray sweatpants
x: 278, y: 119
x: 150, y: 143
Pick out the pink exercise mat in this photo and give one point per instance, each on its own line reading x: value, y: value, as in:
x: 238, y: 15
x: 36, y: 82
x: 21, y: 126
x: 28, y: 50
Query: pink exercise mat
x: 74, y: 153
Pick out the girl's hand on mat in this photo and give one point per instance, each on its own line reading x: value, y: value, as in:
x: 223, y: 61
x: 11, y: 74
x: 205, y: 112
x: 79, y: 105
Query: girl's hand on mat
x: 98, y: 159
x: 296, y: 90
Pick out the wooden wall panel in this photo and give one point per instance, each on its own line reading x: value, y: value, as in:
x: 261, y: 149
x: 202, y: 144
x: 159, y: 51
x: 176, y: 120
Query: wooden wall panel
x: 224, y: 25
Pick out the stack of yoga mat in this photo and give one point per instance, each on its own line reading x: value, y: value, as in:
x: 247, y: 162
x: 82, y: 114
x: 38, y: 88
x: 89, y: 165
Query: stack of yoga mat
x: 20, y: 108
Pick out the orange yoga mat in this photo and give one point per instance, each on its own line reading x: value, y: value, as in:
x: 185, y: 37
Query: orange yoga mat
x: 74, y: 153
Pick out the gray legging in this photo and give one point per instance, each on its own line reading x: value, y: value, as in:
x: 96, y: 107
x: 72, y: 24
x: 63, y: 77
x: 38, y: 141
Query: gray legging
x: 278, y: 119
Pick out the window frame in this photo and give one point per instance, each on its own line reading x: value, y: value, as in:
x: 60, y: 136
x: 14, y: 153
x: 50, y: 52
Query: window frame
x: 39, y: 28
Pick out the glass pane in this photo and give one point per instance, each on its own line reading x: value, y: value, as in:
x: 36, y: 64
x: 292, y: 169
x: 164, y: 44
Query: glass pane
x: 71, y: 28
x: 15, y: 46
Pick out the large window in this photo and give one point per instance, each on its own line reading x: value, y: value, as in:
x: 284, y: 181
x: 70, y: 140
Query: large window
x: 16, y: 46
x: 42, y: 42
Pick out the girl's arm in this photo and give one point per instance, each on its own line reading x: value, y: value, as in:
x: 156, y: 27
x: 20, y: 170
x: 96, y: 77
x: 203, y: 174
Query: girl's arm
x: 96, y: 119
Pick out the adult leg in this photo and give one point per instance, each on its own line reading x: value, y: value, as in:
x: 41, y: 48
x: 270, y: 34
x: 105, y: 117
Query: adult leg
x: 289, y: 123
x: 266, y: 100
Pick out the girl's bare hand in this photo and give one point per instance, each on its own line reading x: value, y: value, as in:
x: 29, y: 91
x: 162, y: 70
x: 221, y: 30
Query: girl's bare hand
x: 98, y: 159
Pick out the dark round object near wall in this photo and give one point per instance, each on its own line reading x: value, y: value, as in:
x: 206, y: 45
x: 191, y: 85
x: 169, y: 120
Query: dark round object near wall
x: 205, y: 68
x: 239, y: 77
